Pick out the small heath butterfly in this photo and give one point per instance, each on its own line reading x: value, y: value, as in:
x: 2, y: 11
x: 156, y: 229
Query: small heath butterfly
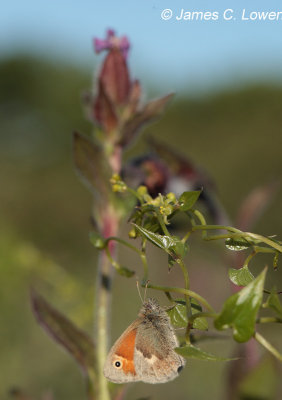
x: 145, y: 351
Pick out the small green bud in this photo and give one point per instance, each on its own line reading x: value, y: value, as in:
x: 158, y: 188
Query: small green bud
x: 117, y: 188
x: 115, y: 178
x: 97, y: 241
x: 147, y: 198
x: 156, y: 202
x: 142, y: 190
x: 132, y: 233
x: 117, y: 184
x: 166, y: 210
x: 171, y: 197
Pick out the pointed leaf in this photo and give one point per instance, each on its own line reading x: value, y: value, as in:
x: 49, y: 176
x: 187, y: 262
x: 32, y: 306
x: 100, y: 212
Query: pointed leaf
x: 180, y: 248
x: 64, y: 332
x: 178, y: 315
x: 241, y: 277
x: 188, y: 199
x: 134, y: 97
x: 124, y: 271
x: 162, y: 241
x: 151, y: 223
x: 240, y: 310
x: 177, y: 251
x: 194, y: 352
x: 104, y: 111
x: 150, y: 111
x: 114, y: 77
x: 97, y: 240
x: 90, y: 164
x: 201, y: 324
x: 273, y: 302
x: 237, y: 245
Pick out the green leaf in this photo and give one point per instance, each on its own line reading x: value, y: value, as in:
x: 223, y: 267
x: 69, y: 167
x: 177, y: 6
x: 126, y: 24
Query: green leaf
x: 194, y: 352
x: 123, y: 271
x: 237, y: 245
x: 240, y: 310
x: 188, y: 199
x: 201, y: 324
x: 273, y: 302
x: 241, y: 277
x: 151, y: 224
x: 97, y: 240
x: 178, y: 315
x: 162, y: 241
x: 180, y: 248
x: 64, y: 332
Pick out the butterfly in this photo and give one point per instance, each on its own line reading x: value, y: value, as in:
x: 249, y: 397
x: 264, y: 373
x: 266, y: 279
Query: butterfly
x: 145, y: 351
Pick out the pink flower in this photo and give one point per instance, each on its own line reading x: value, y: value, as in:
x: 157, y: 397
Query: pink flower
x: 112, y: 42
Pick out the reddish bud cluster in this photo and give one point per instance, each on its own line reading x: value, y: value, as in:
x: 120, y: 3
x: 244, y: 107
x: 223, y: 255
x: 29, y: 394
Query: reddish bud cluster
x: 116, y: 106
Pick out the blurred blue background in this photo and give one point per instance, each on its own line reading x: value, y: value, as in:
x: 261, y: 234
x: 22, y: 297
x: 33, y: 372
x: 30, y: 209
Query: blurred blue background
x: 195, y: 55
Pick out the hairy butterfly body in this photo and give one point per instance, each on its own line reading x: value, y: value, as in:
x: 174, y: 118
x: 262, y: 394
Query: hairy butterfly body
x: 145, y: 351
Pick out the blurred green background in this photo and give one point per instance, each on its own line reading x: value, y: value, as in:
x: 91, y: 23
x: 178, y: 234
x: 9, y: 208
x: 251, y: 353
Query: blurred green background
x: 45, y: 217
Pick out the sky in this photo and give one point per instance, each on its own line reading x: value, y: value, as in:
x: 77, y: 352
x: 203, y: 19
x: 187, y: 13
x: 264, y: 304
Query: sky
x: 175, y: 54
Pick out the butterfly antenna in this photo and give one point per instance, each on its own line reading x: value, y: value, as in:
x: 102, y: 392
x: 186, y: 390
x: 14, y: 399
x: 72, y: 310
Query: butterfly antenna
x: 146, y: 287
x: 138, y: 289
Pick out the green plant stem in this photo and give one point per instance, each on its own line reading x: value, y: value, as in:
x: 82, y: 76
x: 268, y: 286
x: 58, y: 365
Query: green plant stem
x: 260, y: 339
x: 170, y: 298
x: 114, y: 263
x: 105, y: 272
x: 257, y: 250
x: 187, y: 297
x: 144, y: 261
x: 185, y: 275
x: 135, y: 194
x: 186, y: 237
x: 124, y: 242
x: 162, y: 224
x: 202, y: 315
x: 103, y: 305
x: 91, y: 389
x: 235, y: 234
x: 267, y: 320
x: 202, y: 220
x: 182, y: 291
x: 141, y: 253
x: 265, y: 240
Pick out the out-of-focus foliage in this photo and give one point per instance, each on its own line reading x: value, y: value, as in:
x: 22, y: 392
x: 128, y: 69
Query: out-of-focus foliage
x: 44, y: 210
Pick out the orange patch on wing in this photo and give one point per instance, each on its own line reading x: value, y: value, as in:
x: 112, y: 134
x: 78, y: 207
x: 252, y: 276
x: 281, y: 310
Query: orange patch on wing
x: 126, y: 351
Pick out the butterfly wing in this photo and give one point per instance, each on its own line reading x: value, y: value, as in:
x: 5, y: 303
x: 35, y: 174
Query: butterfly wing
x: 119, y: 366
x: 155, y: 360
x: 145, y: 351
